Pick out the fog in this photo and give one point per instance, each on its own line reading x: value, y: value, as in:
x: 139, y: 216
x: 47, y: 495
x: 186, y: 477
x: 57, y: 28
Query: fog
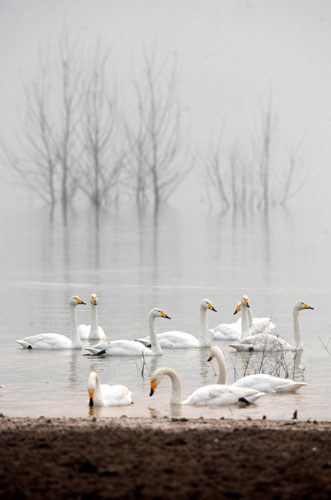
x: 232, y: 56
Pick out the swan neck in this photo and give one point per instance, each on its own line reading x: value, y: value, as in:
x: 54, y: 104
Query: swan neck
x: 297, y: 330
x: 97, y: 393
x: 94, y: 319
x: 204, y: 339
x: 156, y: 348
x: 244, y: 322
x: 74, y: 328
x: 176, y: 388
x: 250, y: 316
x: 222, y: 372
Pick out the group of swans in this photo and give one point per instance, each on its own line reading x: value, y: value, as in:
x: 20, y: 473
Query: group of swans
x: 246, y: 390
x: 233, y: 331
x: 266, y: 341
x: 180, y: 340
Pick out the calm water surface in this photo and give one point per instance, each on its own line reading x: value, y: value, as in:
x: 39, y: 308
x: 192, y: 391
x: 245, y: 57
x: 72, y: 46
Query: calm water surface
x: 135, y: 262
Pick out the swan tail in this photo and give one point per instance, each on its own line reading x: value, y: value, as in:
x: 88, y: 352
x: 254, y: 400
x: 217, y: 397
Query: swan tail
x: 244, y: 401
x: 96, y: 352
x: 146, y: 343
x: 242, y: 347
x: 290, y: 387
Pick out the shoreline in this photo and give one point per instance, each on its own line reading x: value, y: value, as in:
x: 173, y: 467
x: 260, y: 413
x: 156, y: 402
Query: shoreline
x: 164, y: 458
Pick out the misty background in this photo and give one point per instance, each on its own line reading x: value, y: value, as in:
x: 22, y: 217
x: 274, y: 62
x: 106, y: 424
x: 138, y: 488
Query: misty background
x: 232, y: 60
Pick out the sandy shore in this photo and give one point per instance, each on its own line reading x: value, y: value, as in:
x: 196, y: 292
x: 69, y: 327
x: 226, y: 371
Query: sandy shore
x: 164, y: 458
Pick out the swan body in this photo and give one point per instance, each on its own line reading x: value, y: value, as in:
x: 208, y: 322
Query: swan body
x: 209, y: 395
x: 55, y: 340
x: 181, y: 340
x: 269, y: 342
x: 260, y: 382
x: 92, y: 331
x: 232, y: 331
x: 107, y: 395
x: 131, y: 347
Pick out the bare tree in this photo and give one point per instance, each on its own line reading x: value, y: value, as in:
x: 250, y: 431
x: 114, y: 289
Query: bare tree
x: 156, y: 143
x: 103, y: 155
x: 264, y: 145
x: 69, y: 70
x: 294, y: 178
x: 36, y: 166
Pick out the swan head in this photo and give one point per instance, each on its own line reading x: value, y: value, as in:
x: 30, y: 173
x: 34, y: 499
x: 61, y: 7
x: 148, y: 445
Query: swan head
x: 243, y: 303
x: 213, y: 352
x: 300, y: 306
x: 91, y: 386
x: 157, y: 376
x: 94, y: 299
x: 207, y: 304
x: 158, y: 313
x: 74, y: 301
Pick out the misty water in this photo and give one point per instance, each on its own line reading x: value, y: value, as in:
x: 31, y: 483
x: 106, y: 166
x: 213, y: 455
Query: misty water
x: 135, y: 261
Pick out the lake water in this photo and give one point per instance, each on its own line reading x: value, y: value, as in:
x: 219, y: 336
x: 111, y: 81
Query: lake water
x: 135, y: 262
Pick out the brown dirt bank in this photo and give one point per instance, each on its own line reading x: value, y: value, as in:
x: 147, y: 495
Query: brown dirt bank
x: 161, y: 458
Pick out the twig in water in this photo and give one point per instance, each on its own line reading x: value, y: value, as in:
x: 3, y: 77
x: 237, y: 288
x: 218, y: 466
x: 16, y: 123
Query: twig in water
x: 326, y: 346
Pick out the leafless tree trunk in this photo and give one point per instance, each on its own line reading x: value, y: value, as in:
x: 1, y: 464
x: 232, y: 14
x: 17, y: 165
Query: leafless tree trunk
x: 103, y: 157
x: 268, y: 124
x: 69, y: 68
x: 294, y: 178
x: 36, y: 166
x: 156, y: 144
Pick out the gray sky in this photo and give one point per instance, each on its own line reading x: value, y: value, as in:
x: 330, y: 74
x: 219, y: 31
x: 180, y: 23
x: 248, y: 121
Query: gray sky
x: 231, y: 55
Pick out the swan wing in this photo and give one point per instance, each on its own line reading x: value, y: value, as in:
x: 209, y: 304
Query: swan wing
x: 177, y: 339
x: 173, y: 339
x: 120, y: 348
x: 262, y: 325
x: 115, y: 395
x: 262, y: 342
x: 268, y: 383
x: 221, y: 395
x: 227, y: 331
x: 84, y: 331
x: 46, y: 341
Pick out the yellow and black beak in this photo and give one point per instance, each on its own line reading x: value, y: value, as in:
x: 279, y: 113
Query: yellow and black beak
x: 164, y: 315
x: 237, y: 309
x: 95, y: 301
x: 91, y: 401
x: 80, y: 301
x: 246, y: 303
x: 211, y: 357
x: 211, y: 307
x: 153, y: 387
x: 307, y: 306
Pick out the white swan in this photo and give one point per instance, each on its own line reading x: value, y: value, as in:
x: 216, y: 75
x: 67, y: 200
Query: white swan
x: 107, y: 395
x: 54, y: 340
x: 269, y: 342
x: 260, y: 381
x: 131, y: 347
x: 92, y: 331
x: 180, y: 340
x: 232, y: 331
x: 209, y: 395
